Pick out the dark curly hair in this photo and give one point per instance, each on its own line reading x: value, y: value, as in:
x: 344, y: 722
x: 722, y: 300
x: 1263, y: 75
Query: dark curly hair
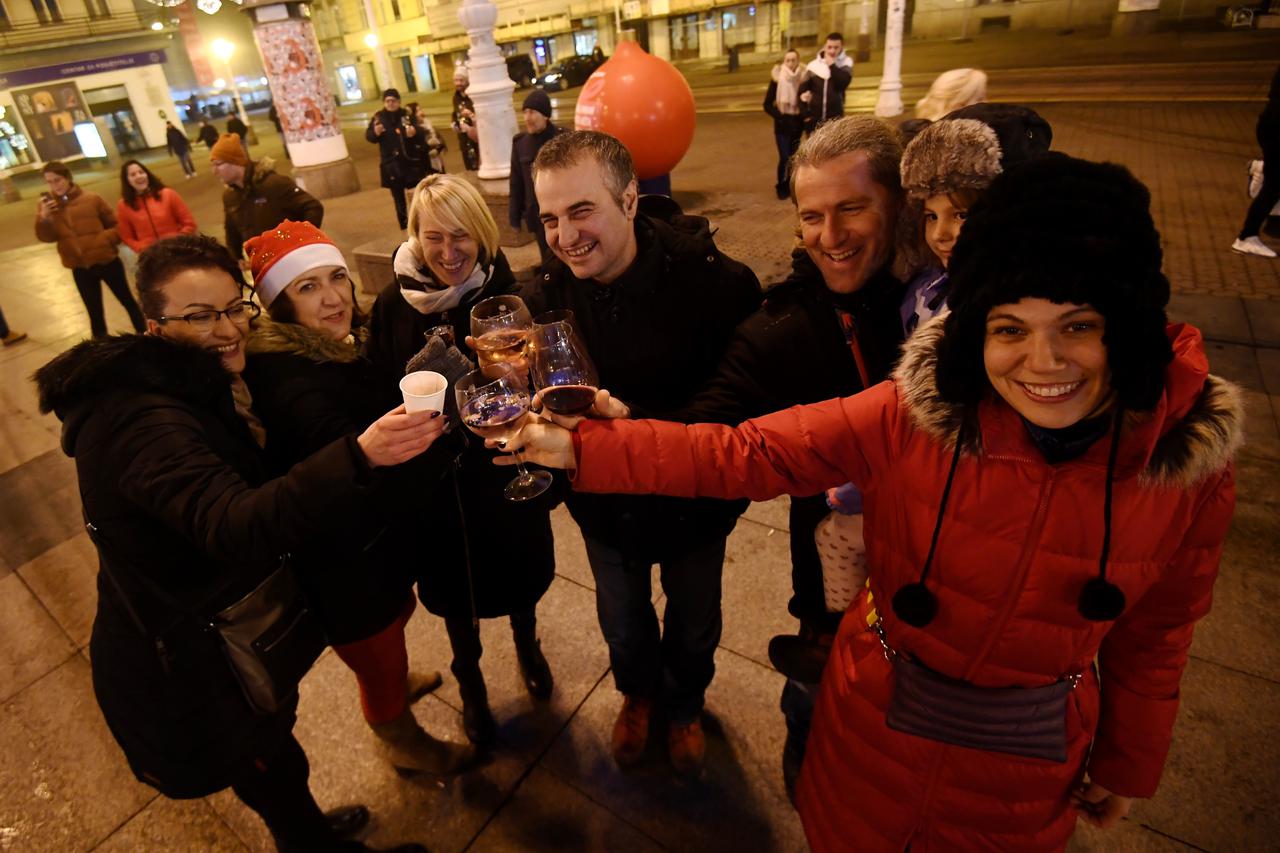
x: 128, y: 193
x: 1070, y: 231
x: 164, y: 259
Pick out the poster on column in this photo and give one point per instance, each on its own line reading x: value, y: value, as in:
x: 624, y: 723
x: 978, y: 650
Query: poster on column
x: 299, y: 89
x: 50, y: 113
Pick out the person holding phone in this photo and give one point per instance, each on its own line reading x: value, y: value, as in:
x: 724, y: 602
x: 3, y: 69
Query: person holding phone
x: 402, y: 146
x: 83, y: 226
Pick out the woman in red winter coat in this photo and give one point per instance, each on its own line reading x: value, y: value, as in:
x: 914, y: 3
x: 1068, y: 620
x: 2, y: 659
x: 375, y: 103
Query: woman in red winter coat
x: 149, y: 211
x: 1047, y: 480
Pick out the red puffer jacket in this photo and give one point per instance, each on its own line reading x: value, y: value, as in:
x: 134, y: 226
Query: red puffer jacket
x: 1020, y: 539
x: 151, y: 219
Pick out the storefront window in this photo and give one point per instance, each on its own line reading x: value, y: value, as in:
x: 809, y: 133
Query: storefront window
x: 350, y: 79
x: 584, y: 42
x: 15, y: 150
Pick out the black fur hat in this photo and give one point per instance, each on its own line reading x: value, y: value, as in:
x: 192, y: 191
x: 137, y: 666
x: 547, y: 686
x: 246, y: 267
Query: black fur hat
x: 1070, y: 231
x: 1023, y: 132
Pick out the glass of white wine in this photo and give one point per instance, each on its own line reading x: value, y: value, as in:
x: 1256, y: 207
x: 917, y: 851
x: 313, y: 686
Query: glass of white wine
x: 500, y: 326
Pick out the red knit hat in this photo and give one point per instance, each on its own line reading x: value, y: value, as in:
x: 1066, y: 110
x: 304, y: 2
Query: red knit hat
x: 278, y: 256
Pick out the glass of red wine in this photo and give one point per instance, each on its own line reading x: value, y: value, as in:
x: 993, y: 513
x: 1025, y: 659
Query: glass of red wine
x: 500, y: 326
x: 562, y: 369
x: 493, y: 402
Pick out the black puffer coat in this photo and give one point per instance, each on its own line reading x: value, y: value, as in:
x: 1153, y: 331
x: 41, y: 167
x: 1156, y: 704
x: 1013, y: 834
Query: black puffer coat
x: 512, y: 554
x: 793, y: 352
x: 310, y: 390
x: 402, y: 159
x: 187, y: 523
x: 656, y: 335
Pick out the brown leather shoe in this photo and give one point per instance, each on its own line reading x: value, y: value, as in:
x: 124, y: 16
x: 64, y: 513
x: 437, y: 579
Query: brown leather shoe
x: 688, y: 748
x: 631, y: 730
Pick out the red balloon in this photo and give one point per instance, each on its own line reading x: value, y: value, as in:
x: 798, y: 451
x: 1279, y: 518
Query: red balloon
x: 644, y: 102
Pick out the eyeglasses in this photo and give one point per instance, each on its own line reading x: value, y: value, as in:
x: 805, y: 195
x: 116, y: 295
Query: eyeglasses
x: 242, y: 312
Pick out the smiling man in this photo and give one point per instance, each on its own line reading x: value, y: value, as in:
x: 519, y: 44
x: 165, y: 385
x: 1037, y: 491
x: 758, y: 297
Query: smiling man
x: 830, y: 330
x: 656, y: 303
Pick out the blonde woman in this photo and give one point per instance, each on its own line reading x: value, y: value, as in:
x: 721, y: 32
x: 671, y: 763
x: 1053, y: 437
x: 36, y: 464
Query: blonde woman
x: 450, y: 262
x: 952, y: 90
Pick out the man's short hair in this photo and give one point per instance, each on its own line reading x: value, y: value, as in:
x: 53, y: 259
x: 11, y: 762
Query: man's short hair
x: 566, y: 150
x: 846, y: 136
x: 56, y: 167
x: 835, y: 37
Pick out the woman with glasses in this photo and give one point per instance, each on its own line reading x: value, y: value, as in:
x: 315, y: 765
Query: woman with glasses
x: 177, y: 499
x: 311, y: 386
x: 450, y: 262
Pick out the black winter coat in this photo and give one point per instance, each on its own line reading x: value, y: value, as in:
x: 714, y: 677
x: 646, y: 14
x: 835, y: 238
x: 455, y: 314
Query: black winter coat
x: 402, y: 159
x: 656, y: 335
x: 186, y: 523
x: 793, y: 352
x: 783, y: 124
x: 522, y: 209
x: 512, y: 552
x: 827, y: 96
x: 310, y: 390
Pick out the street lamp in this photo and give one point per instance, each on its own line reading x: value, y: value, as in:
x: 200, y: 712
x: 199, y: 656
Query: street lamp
x: 223, y: 49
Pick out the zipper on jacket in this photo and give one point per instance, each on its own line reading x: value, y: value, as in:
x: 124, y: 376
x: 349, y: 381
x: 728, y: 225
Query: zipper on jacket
x: 1029, y: 549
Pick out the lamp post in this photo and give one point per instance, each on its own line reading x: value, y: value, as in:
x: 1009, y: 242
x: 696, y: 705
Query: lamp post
x: 372, y: 41
x: 223, y: 49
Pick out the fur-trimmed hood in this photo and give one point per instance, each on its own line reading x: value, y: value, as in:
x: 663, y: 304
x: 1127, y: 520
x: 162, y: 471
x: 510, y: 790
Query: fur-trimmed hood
x: 1193, y: 433
x: 140, y: 363
x: 294, y: 339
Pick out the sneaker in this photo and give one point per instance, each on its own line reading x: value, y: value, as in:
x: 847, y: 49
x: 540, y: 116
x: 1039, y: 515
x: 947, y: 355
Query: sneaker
x: 687, y: 746
x: 14, y: 338
x: 631, y: 730
x: 1252, y: 246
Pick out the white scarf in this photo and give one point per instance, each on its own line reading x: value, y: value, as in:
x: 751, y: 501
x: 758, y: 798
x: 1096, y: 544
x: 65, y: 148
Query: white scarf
x: 433, y: 298
x: 787, y: 99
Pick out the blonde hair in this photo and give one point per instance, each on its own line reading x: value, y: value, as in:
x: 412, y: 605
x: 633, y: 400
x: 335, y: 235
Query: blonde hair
x: 959, y: 87
x: 454, y: 203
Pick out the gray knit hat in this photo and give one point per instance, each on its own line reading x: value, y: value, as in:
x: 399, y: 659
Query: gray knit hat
x: 950, y: 155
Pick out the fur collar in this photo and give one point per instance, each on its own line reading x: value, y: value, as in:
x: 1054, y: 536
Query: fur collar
x: 135, y: 362
x: 1193, y: 448
x: 294, y: 339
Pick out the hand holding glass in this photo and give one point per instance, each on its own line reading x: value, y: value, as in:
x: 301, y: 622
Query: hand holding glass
x: 494, y: 408
x: 500, y: 326
x: 562, y: 369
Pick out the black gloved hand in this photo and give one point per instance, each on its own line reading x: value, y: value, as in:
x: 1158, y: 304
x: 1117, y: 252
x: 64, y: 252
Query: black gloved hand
x: 449, y: 362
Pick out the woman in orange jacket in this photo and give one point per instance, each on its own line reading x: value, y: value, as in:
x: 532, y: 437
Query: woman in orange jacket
x: 149, y: 211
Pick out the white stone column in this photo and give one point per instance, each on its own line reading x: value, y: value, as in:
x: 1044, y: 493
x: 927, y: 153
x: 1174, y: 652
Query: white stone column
x: 373, y: 41
x: 890, y: 100
x: 490, y: 91
x: 710, y: 42
x: 304, y: 101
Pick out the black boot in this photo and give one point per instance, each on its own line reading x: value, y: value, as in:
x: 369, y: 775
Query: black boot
x: 477, y: 719
x: 533, y: 665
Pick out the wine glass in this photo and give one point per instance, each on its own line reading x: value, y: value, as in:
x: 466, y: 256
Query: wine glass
x: 493, y: 402
x: 563, y: 369
x: 500, y: 326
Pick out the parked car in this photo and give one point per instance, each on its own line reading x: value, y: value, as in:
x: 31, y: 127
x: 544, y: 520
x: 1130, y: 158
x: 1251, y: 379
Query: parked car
x: 520, y: 68
x: 574, y: 71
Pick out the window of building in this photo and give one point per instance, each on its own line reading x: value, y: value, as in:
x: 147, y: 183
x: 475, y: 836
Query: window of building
x: 47, y: 11
x: 5, y: 23
x: 395, y: 9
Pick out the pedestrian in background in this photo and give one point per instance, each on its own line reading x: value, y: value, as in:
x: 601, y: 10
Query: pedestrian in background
x: 824, y: 82
x: 257, y: 197
x: 432, y: 139
x: 950, y: 90
x: 402, y: 151
x: 8, y: 336
x: 240, y: 129
x: 1268, y: 133
x: 148, y: 210
x: 180, y: 147
x: 464, y: 120
x: 522, y: 208
x: 782, y: 102
x: 208, y: 134
x: 83, y: 226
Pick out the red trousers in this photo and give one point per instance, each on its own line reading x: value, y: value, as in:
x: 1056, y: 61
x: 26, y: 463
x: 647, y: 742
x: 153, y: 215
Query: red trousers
x: 381, y: 665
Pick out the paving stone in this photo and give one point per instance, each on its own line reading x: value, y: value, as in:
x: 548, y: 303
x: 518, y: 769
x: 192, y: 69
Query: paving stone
x: 174, y: 825
x: 31, y: 642
x: 1219, y: 318
x: 65, y: 580
x: 1264, y: 319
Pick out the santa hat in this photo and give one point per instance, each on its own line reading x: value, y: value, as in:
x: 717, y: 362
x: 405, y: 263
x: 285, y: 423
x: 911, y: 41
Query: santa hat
x: 280, y: 255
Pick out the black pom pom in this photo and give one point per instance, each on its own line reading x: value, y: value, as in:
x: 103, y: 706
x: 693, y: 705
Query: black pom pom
x: 1101, y: 600
x: 915, y: 605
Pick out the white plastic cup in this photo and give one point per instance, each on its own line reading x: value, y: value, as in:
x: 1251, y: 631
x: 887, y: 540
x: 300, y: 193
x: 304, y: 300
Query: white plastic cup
x: 424, y: 391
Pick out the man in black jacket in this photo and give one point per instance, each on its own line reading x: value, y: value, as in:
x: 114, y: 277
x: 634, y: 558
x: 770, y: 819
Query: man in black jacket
x: 824, y: 82
x: 523, y: 206
x: 656, y: 304
x: 830, y: 330
x: 402, y: 152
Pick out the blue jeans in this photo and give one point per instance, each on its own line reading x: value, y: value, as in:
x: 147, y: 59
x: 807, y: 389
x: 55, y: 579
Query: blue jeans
x: 672, y: 666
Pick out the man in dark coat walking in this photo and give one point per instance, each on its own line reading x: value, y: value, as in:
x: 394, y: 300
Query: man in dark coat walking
x: 180, y: 147
x: 208, y: 134
x: 523, y: 206
x: 256, y: 196
x: 656, y: 303
x: 402, y: 150
x: 464, y: 120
